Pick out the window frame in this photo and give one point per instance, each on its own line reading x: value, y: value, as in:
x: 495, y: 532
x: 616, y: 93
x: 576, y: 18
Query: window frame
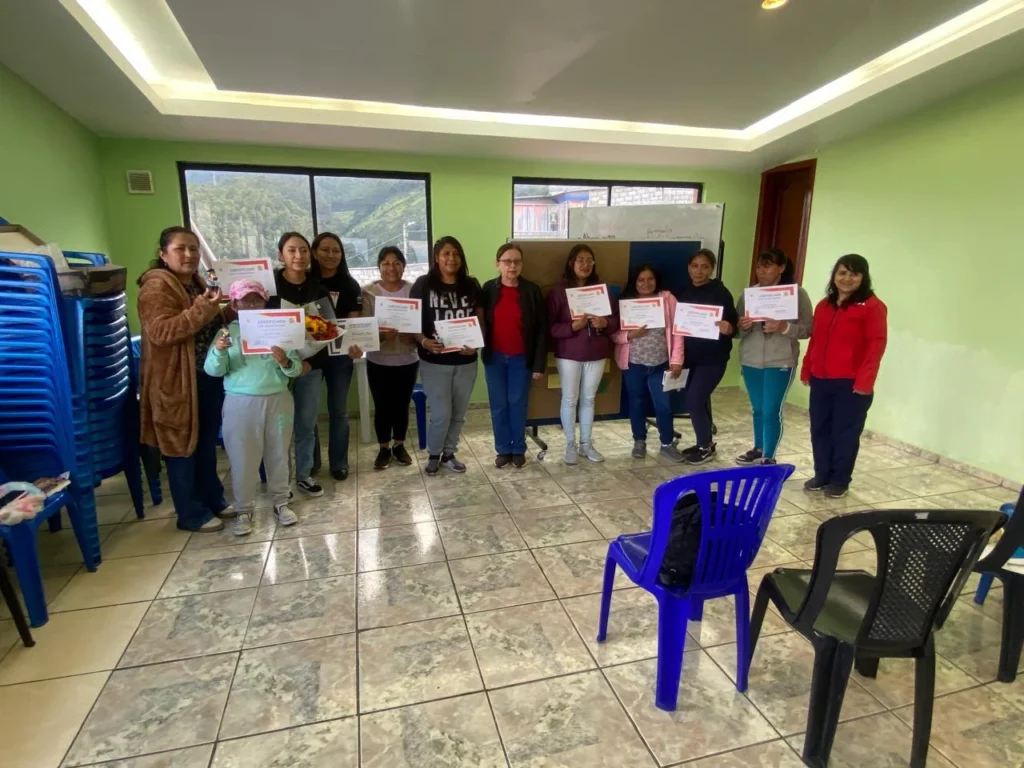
x: 311, y: 173
x: 607, y: 183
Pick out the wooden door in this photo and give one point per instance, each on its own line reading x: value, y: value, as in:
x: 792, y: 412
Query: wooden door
x: 784, y: 212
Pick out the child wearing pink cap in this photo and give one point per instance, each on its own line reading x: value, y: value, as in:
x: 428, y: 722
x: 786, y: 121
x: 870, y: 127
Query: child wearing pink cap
x: 258, y: 411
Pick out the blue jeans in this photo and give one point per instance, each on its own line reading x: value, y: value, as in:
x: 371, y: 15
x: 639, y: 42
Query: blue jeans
x: 306, y: 391
x: 641, y: 379
x: 767, y: 388
x: 338, y: 374
x: 194, y: 483
x: 508, y: 390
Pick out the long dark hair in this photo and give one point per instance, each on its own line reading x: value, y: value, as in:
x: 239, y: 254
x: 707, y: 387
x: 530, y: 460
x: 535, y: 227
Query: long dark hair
x: 859, y: 266
x: 166, y: 238
x: 779, y: 258
x: 315, y: 263
x: 629, y: 289
x: 570, y: 274
x: 463, y: 282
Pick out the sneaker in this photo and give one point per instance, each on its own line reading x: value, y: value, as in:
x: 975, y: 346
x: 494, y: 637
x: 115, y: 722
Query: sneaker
x: 401, y: 455
x: 570, y: 454
x: 227, y: 513
x: 701, y: 455
x: 753, y: 456
x: 340, y: 474
x: 836, y: 491
x: 587, y: 450
x: 383, y: 460
x: 639, y: 449
x: 503, y: 460
x: 448, y: 461
x: 285, y: 515
x: 309, y: 487
x: 433, y: 466
x: 210, y: 526
x: 243, y: 524
x: 672, y: 453
x: 768, y: 462
x: 518, y: 460
x: 689, y: 451
x: 814, y: 484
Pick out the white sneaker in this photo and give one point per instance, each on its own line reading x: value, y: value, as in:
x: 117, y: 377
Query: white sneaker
x: 243, y: 524
x: 588, y: 450
x: 570, y: 453
x: 211, y: 526
x: 284, y: 515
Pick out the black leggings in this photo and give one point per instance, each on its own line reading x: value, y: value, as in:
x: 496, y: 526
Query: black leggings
x: 702, y: 382
x: 391, y: 387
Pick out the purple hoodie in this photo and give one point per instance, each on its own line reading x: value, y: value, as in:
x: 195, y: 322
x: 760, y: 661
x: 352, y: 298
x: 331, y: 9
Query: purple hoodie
x: 584, y: 345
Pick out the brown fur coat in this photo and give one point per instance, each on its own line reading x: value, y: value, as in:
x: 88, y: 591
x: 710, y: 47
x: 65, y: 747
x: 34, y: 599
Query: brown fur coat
x: 168, y: 403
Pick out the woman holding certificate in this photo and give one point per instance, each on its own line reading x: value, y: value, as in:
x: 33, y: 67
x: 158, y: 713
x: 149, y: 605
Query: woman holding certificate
x: 769, y: 350
x: 706, y: 358
x: 391, y: 372
x: 646, y: 355
x: 583, y: 342
x: 848, y: 340
x: 447, y: 292
x: 514, y: 352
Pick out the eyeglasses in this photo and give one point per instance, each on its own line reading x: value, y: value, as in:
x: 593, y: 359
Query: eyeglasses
x: 511, y: 262
x: 585, y: 262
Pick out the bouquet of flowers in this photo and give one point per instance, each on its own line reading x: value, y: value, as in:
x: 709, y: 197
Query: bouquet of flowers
x: 320, y: 331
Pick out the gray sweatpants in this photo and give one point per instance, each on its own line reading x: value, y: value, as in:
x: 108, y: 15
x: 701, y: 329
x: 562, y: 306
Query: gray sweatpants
x: 258, y: 428
x: 447, y: 388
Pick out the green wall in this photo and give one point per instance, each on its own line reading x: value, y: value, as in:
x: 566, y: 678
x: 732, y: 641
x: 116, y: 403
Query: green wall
x: 50, y: 171
x: 935, y: 203
x: 470, y: 198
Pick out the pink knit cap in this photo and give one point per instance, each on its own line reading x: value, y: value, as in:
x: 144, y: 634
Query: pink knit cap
x: 242, y: 288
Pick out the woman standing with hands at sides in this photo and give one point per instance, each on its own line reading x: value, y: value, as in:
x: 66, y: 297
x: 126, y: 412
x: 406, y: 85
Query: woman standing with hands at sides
x: 848, y: 340
x: 179, y: 404
x: 706, y: 359
x: 581, y: 348
x: 769, y: 351
x: 330, y: 269
x: 514, y: 351
x: 391, y: 372
x: 447, y: 292
x: 644, y: 357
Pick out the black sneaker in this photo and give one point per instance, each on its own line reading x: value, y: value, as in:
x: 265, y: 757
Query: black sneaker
x: 433, y: 466
x: 340, y: 474
x: 518, y: 460
x: 448, y: 461
x: 768, y: 462
x: 814, y: 485
x: 383, y: 460
x: 310, y: 487
x: 836, y: 491
x: 753, y: 456
x: 701, y: 455
x: 401, y: 455
x: 689, y: 451
x: 503, y: 460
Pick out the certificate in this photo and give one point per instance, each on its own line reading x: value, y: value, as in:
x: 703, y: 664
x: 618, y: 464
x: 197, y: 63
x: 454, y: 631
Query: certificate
x: 359, y: 332
x: 402, y: 315
x: 697, y: 320
x: 262, y: 329
x: 639, y: 313
x: 228, y: 271
x: 668, y: 383
x: 459, y: 333
x: 777, y: 302
x: 589, y: 300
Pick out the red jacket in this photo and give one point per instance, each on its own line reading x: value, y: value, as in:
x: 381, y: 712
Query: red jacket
x: 847, y: 343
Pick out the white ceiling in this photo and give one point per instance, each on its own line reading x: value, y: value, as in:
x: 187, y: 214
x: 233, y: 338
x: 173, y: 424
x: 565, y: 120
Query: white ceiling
x: 577, y: 58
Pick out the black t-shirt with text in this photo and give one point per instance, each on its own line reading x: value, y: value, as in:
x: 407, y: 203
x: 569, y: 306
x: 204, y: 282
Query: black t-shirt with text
x: 450, y: 304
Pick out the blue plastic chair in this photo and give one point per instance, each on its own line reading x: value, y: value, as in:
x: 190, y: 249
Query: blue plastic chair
x: 732, y: 528
x: 985, y: 583
x: 419, y: 399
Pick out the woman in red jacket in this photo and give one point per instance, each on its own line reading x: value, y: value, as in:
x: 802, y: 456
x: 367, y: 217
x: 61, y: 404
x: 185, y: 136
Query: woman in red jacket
x: 847, y: 343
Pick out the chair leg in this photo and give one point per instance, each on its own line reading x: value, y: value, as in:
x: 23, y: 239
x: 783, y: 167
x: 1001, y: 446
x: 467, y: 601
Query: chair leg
x: 833, y: 663
x: 924, y: 700
x: 696, y: 610
x: 26, y: 564
x: 866, y: 667
x: 606, y: 598
x: 1013, y: 630
x: 14, y: 606
x: 984, y: 585
x: 263, y: 473
x: 743, y: 653
x: 757, y: 618
x: 54, y: 523
x: 672, y: 615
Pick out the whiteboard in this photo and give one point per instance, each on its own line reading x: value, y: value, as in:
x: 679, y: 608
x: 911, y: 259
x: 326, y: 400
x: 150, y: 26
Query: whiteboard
x: 693, y: 221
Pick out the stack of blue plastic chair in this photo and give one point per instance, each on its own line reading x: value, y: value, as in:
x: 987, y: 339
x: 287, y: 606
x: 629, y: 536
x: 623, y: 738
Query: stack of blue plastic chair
x: 36, y: 422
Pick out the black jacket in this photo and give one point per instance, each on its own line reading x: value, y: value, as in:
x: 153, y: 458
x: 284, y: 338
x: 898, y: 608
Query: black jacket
x: 709, y: 351
x: 535, y: 327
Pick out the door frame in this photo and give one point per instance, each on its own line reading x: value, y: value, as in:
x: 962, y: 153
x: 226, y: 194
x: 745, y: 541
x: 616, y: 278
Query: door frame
x: 766, y: 214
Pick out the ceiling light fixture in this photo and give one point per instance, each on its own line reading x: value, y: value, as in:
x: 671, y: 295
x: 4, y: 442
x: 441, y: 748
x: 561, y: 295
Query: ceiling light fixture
x: 771, y: 5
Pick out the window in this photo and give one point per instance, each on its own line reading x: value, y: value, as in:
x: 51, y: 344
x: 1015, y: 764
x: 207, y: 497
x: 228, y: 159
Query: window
x: 540, y: 207
x: 240, y: 212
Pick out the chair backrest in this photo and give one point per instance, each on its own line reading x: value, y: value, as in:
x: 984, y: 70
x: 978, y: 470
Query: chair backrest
x: 923, y: 559
x: 736, y: 507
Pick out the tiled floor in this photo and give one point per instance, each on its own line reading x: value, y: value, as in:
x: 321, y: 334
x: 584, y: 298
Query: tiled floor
x: 450, y: 621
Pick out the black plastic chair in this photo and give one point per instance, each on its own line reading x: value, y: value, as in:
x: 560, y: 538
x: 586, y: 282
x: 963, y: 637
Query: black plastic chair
x: 924, y: 559
x: 994, y: 564
x: 14, y: 606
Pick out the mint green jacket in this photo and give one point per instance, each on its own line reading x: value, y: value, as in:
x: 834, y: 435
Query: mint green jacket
x: 249, y: 374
